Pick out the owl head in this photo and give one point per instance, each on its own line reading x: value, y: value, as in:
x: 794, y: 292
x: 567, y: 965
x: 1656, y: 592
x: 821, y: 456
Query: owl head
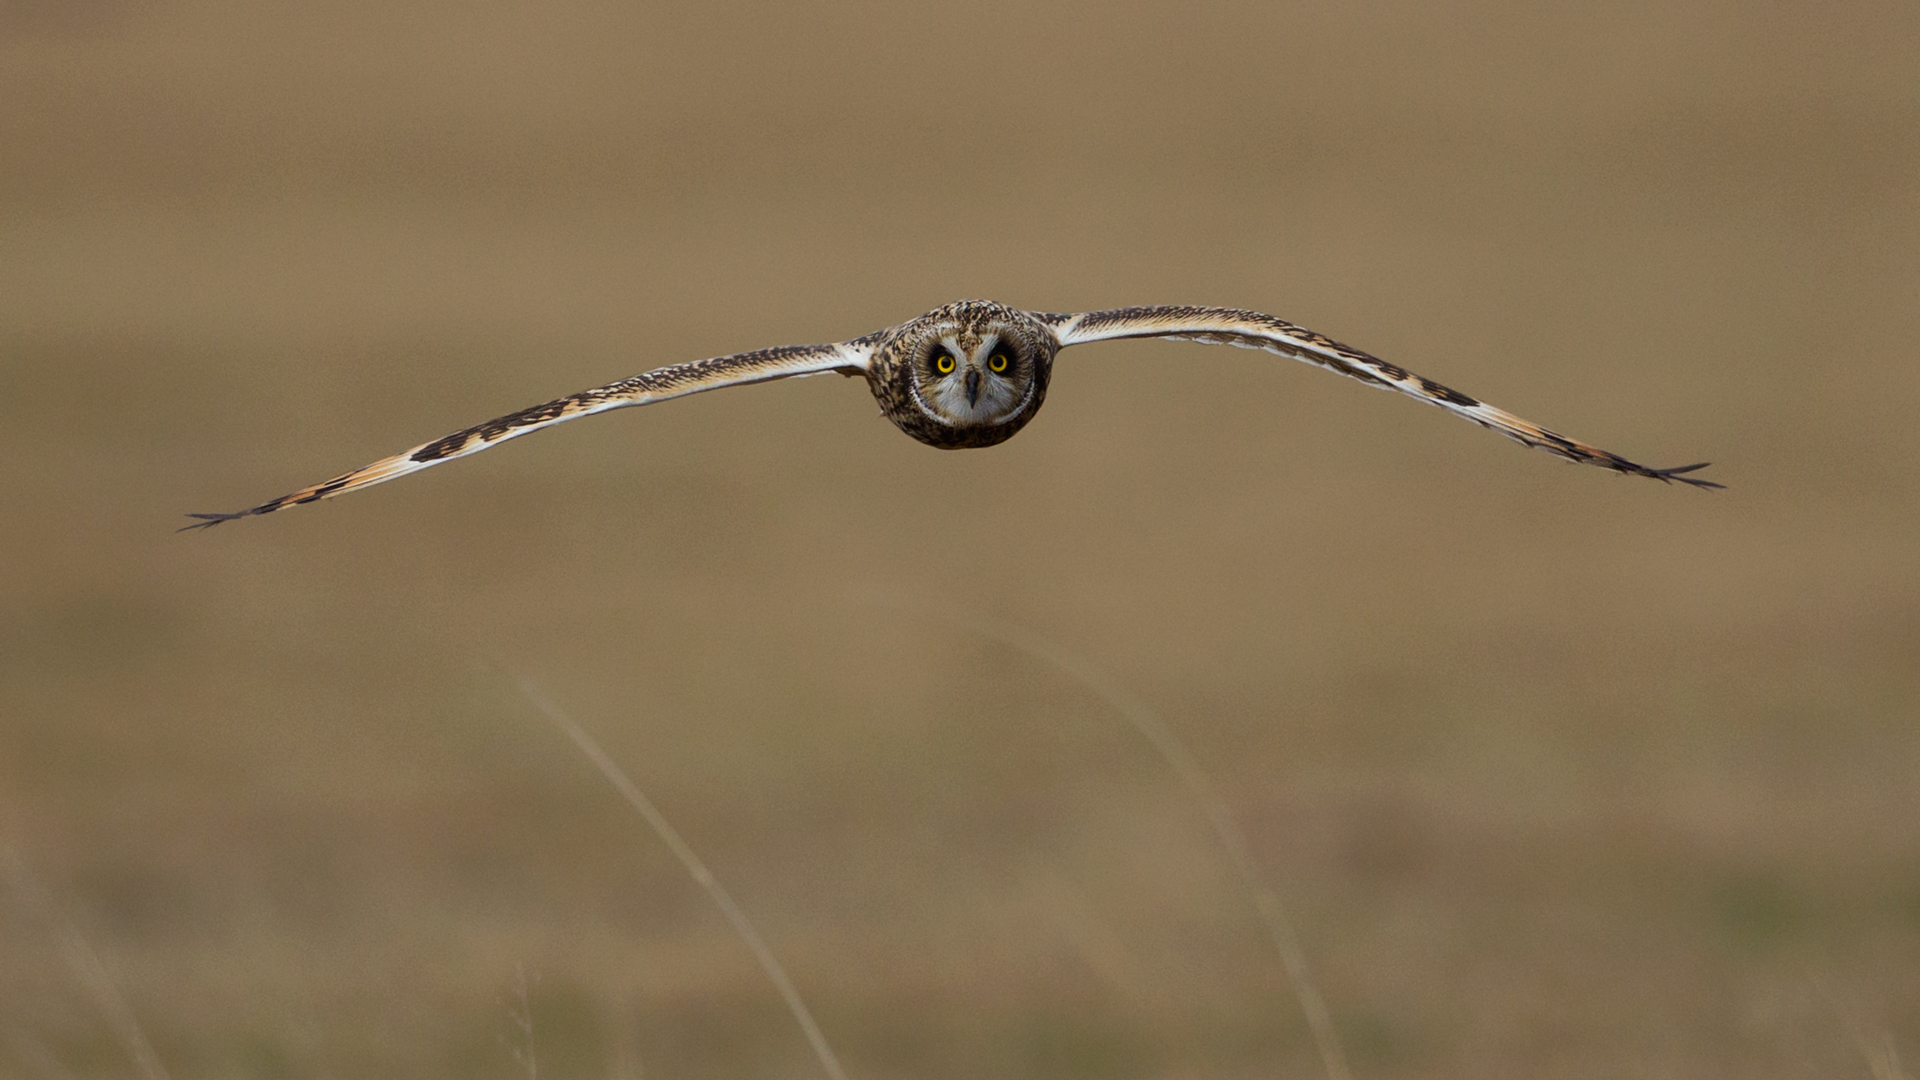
x: 965, y: 375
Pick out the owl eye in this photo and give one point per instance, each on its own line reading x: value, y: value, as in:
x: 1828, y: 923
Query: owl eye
x: 943, y: 363
x: 998, y: 363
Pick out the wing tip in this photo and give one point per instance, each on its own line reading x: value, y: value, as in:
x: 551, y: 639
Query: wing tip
x: 208, y: 521
x: 1670, y: 475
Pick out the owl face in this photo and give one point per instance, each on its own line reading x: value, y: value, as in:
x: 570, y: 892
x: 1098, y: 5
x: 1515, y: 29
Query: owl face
x: 969, y: 374
x: 973, y: 379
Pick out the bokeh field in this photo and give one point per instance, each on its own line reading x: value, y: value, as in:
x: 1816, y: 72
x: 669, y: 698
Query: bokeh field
x: 1560, y: 774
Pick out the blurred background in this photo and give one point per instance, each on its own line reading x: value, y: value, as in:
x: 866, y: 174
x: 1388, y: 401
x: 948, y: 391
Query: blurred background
x: 1561, y: 774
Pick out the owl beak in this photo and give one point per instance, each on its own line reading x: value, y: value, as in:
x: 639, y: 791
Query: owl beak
x: 973, y: 386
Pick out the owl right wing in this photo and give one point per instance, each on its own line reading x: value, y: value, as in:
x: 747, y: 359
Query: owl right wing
x: 1254, y: 330
x: 660, y: 384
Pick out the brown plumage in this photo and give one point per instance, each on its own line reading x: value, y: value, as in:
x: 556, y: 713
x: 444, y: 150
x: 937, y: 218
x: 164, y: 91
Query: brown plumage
x: 901, y: 374
x: 970, y: 374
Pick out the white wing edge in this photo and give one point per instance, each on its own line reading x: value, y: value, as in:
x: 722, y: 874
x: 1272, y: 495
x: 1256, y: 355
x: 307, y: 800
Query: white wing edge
x: 1257, y: 330
x: 661, y: 384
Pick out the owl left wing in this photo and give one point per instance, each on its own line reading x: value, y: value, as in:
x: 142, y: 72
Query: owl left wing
x: 1254, y: 330
x: 660, y: 384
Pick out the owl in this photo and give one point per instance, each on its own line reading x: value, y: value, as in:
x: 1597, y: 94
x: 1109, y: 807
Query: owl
x: 970, y: 374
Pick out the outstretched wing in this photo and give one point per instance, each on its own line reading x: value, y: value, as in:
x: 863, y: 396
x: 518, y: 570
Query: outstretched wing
x: 661, y: 384
x: 1253, y: 330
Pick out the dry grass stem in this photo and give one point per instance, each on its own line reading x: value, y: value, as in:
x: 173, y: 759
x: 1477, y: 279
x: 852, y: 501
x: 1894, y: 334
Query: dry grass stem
x: 1883, y: 1061
x: 86, y: 964
x: 734, y: 915
x: 1266, y: 903
x: 521, y: 1013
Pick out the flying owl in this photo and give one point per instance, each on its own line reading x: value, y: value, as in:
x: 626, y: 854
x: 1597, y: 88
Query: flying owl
x: 966, y: 375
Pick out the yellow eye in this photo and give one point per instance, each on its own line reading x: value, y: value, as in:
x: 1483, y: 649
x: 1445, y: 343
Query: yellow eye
x: 943, y: 363
x: 998, y: 363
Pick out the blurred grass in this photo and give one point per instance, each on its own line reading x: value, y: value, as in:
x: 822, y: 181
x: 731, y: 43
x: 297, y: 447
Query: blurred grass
x: 1563, y: 774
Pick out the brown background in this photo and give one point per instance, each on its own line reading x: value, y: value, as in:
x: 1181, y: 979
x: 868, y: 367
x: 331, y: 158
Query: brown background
x: 1562, y: 774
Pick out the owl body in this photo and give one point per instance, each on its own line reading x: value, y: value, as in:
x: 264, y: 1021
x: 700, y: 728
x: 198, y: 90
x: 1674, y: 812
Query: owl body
x: 997, y: 360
